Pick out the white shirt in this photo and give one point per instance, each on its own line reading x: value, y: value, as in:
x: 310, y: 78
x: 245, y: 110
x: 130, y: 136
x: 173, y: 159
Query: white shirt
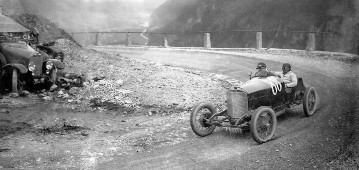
x: 289, y: 79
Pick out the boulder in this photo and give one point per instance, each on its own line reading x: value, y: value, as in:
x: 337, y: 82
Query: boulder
x: 74, y: 90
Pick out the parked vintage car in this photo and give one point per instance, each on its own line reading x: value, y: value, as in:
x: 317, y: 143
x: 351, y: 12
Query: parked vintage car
x: 21, y: 66
x: 254, y: 105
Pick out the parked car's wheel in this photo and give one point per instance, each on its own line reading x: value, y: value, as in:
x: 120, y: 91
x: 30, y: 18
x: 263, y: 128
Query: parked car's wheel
x: 199, y: 114
x: 53, y: 75
x: 16, y: 84
x: 310, y: 101
x: 2, y: 61
x: 263, y: 124
x: 2, y: 81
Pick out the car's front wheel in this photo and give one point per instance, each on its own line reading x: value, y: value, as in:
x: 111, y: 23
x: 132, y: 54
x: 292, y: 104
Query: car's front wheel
x: 199, y: 117
x: 16, y: 85
x: 2, y: 61
x: 263, y: 124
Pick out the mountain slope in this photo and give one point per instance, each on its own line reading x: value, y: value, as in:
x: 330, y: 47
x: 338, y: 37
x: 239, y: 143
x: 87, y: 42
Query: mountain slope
x: 290, y: 15
x: 48, y: 31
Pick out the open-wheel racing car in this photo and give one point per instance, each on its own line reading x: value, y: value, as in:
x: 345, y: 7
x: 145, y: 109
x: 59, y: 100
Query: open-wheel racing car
x: 254, y: 106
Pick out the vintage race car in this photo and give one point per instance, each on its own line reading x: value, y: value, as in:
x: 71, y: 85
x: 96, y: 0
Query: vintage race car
x: 22, y: 66
x: 254, y: 105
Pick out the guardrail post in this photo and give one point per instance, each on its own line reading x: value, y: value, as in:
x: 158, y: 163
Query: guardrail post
x: 311, y: 42
x: 207, y: 40
x: 259, y: 40
x: 128, y: 39
x: 165, y: 43
x: 96, y: 38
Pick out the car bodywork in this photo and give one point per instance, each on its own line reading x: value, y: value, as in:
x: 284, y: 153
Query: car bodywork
x: 269, y: 91
x: 254, y: 105
x: 53, y: 51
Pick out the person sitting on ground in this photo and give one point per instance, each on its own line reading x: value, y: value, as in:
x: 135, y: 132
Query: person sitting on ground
x: 263, y: 71
x: 288, y: 76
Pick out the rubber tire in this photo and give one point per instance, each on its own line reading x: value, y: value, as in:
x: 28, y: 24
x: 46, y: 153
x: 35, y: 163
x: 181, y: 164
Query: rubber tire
x: 193, y: 121
x: 53, y: 75
x: 15, y: 81
x: 2, y: 61
x: 253, y: 124
x: 3, y: 82
x: 306, y: 108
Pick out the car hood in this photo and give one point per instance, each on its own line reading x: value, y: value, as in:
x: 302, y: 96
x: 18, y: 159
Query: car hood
x: 257, y: 84
x: 53, y: 49
x: 17, y: 52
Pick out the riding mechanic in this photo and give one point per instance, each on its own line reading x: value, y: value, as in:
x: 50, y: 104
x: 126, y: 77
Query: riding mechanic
x: 288, y: 76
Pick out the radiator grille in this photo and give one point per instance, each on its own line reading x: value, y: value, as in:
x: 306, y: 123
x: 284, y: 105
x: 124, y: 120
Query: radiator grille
x: 237, y: 104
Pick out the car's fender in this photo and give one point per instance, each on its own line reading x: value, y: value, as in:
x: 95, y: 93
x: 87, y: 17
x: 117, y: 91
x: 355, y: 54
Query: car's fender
x: 57, y: 63
x: 20, y: 67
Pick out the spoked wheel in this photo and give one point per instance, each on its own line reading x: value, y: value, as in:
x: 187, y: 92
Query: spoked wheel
x: 310, y: 101
x: 2, y: 61
x: 198, y: 118
x: 263, y: 124
x: 3, y: 82
x: 16, y: 84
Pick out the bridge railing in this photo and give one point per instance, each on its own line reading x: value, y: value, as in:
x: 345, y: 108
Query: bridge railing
x: 284, y: 39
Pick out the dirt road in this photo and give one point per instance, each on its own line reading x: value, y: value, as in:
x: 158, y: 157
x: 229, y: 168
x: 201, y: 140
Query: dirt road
x: 81, y: 138
x: 300, y: 142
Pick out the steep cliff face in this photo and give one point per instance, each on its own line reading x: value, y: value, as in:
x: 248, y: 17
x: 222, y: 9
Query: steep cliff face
x: 278, y: 16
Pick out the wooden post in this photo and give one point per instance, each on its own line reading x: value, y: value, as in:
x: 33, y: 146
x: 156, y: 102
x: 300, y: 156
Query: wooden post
x: 311, y: 42
x: 96, y: 38
x: 207, y: 40
x: 128, y: 39
x: 165, y: 43
x: 259, y: 40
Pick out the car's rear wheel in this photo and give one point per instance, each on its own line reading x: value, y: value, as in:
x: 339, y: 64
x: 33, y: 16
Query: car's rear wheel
x: 263, y: 124
x: 310, y: 101
x: 198, y: 123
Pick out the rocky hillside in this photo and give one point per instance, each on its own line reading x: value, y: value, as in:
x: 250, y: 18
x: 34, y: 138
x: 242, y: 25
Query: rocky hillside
x: 291, y: 15
x: 48, y: 31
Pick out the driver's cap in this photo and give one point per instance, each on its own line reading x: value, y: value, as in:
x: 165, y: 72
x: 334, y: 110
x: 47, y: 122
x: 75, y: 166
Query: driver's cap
x: 260, y: 65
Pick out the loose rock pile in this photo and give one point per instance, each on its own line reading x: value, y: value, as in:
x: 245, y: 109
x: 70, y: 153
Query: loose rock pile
x: 113, y: 80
